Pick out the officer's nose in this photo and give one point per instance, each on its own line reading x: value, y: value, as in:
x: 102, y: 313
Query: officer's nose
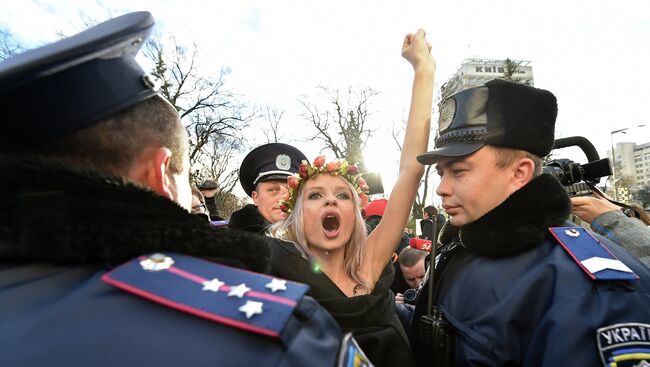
x: 444, y: 188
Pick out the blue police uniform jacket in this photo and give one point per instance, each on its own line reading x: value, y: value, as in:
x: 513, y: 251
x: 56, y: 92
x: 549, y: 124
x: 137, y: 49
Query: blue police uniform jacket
x: 74, y: 290
x: 516, y: 295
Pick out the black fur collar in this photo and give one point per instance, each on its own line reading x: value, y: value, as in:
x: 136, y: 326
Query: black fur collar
x: 520, y: 223
x: 249, y: 219
x: 53, y: 212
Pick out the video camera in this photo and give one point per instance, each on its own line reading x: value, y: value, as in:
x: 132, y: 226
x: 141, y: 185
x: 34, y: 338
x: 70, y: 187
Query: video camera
x: 578, y: 179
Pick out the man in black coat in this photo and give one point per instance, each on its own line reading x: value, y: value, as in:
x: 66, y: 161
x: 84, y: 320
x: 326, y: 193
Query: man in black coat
x: 95, y: 174
x: 516, y: 284
x: 263, y: 176
x: 426, y: 225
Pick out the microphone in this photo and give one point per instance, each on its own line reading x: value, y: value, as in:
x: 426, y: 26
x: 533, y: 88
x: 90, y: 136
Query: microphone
x: 420, y: 244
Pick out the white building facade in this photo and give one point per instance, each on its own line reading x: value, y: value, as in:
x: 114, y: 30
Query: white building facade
x: 473, y: 72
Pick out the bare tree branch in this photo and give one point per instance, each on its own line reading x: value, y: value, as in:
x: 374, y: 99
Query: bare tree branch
x: 9, y: 45
x: 343, y: 126
x: 273, y: 117
x: 212, y: 114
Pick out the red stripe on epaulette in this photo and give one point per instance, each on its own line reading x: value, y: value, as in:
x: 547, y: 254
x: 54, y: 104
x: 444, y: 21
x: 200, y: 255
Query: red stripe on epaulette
x: 190, y: 310
x: 226, y: 288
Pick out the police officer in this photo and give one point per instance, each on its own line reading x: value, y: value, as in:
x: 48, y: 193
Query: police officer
x: 94, y: 173
x: 516, y: 284
x: 263, y: 176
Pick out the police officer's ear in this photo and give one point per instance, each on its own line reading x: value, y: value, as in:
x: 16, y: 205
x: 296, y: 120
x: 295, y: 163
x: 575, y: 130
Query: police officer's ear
x: 523, y: 171
x: 254, y: 195
x: 151, y: 169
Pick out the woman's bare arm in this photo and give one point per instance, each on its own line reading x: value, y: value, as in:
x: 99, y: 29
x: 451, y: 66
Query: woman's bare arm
x: 385, y: 238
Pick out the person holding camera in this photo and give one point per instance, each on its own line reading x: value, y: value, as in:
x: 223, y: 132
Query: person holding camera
x: 411, y: 269
x: 516, y: 284
x: 607, y: 219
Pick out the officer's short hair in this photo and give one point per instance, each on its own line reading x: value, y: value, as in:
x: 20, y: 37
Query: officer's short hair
x: 113, y: 144
x: 507, y: 156
x: 409, y: 256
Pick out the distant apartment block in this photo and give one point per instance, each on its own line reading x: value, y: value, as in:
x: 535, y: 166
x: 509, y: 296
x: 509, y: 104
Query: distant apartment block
x: 633, y: 161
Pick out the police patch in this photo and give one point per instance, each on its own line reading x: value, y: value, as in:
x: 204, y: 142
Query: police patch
x: 351, y: 354
x: 623, y: 345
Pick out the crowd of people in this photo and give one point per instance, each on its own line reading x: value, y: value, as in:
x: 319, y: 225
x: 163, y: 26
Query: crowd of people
x: 108, y: 255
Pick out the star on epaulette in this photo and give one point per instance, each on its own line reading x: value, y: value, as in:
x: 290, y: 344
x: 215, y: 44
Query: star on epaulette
x: 251, y: 308
x: 277, y: 285
x: 238, y: 291
x: 212, y: 285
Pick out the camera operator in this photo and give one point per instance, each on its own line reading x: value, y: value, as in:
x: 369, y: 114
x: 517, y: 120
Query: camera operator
x: 411, y: 265
x: 506, y: 292
x: 607, y: 219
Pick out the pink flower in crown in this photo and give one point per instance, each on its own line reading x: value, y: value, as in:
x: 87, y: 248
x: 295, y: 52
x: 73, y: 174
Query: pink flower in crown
x: 302, y: 170
x: 353, y: 170
x: 293, y: 182
x: 333, y: 166
x: 362, y: 184
x: 284, y: 207
x: 364, y: 200
x: 319, y: 161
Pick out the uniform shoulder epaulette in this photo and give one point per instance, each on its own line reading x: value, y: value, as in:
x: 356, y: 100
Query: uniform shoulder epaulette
x: 242, y: 299
x: 592, y: 257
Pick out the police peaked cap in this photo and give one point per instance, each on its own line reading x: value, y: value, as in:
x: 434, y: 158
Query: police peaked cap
x: 275, y: 161
x: 500, y: 113
x: 55, y: 90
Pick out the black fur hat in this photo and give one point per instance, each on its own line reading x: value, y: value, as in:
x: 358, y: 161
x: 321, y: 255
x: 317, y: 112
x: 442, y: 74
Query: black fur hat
x: 500, y: 113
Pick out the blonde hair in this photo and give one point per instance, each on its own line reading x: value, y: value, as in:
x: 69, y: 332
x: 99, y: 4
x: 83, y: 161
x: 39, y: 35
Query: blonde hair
x: 292, y: 230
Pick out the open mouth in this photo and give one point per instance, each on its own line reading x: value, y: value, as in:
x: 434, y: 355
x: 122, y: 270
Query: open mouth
x: 331, y: 225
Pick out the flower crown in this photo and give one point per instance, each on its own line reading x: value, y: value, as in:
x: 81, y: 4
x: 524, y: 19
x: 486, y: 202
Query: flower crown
x: 336, y: 167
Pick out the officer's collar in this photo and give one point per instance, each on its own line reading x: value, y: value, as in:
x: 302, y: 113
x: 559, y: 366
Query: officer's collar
x: 521, y: 222
x: 53, y: 212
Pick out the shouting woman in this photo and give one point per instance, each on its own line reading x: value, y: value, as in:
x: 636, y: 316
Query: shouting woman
x: 324, y: 242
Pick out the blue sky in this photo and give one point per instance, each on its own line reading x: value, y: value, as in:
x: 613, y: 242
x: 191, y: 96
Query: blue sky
x: 593, y: 55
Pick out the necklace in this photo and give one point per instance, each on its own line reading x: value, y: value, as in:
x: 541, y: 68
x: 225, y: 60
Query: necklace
x: 359, y: 288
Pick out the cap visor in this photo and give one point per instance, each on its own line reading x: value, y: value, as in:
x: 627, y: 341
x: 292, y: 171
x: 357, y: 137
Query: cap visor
x: 275, y: 176
x: 452, y: 150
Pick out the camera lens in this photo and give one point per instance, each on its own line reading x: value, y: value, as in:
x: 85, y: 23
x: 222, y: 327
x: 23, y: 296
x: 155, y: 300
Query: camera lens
x: 410, y: 295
